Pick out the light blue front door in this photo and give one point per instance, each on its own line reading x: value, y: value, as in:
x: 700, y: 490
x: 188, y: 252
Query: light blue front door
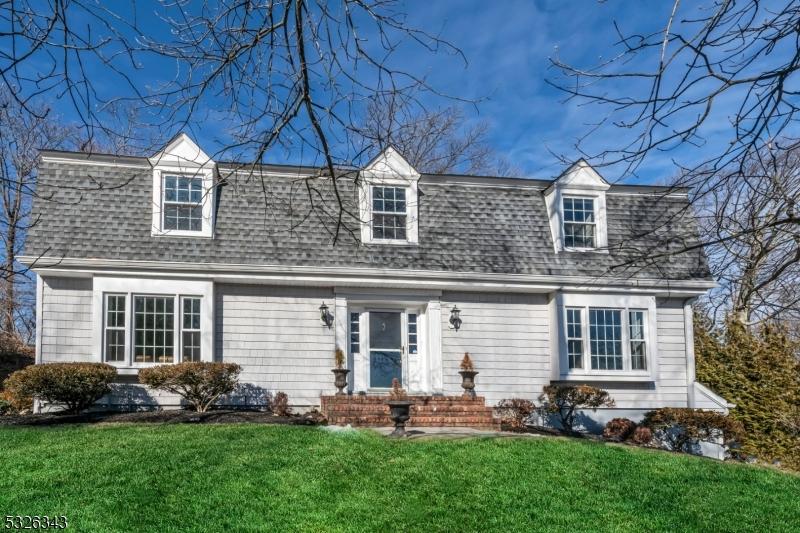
x: 386, y: 348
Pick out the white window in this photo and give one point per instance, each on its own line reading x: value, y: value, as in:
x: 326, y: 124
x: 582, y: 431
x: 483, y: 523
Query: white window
x: 389, y: 213
x: 637, y: 340
x: 114, y: 332
x: 183, y: 203
x: 599, y: 340
x: 158, y: 334
x: 605, y: 339
x: 574, y: 338
x: 355, y: 333
x: 154, y: 318
x: 579, y: 222
x: 412, y: 333
x: 190, y: 341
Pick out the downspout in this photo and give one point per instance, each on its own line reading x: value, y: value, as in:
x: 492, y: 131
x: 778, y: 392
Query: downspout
x: 688, y: 331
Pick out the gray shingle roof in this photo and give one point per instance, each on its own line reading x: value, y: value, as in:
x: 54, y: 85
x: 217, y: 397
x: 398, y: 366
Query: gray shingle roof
x: 478, y: 225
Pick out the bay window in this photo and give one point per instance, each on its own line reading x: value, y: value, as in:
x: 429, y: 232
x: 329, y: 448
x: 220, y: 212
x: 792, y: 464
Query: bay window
x: 605, y: 340
x: 151, y: 329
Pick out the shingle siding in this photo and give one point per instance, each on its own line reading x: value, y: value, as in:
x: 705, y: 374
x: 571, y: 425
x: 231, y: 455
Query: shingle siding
x: 66, y: 320
x: 508, y: 339
x: 275, y: 334
x: 105, y: 212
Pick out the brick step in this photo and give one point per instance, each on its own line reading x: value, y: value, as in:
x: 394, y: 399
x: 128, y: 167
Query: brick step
x: 414, y: 409
x: 334, y: 414
x: 484, y: 422
x: 381, y: 400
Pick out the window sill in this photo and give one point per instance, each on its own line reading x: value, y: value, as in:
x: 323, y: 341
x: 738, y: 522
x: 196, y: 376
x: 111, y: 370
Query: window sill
x: 586, y: 250
x: 391, y: 242
x: 620, y: 376
x: 182, y: 233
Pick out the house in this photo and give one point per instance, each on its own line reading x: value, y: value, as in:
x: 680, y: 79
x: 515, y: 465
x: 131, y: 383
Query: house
x: 177, y: 257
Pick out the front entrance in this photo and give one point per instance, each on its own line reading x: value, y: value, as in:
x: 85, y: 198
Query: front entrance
x: 386, y: 348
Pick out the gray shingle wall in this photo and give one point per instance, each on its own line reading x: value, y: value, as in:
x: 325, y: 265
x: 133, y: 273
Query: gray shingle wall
x: 66, y: 320
x: 105, y: 212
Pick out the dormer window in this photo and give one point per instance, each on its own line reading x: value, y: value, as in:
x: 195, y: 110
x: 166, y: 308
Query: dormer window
x: 183, y: 190
x: 388, y: 200
x: 183, y: 209
x: 579, y: 222
x: 389, y: 213
x: 576, y: 207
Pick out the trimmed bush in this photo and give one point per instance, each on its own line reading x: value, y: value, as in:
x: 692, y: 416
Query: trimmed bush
x: 619, y: 429
x: 757, y: 369
x: 642, y: 436
x: 515, y: 412
x: 199, y: 383
x: 15, y: 405
x: 76, y: 385
x: 279, y: 404
x: 566, y: 400
x: 679, y: 429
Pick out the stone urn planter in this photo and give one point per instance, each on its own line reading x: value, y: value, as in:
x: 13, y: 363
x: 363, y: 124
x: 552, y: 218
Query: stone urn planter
x: 399, y: 412
x: 340, y: 379
x: 468, y: 383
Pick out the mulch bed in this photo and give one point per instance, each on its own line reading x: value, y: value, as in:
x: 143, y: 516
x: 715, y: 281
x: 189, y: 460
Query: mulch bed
x: 164, y: 417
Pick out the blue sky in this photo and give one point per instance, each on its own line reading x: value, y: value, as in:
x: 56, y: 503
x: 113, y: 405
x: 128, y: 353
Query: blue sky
x: 507, y: 44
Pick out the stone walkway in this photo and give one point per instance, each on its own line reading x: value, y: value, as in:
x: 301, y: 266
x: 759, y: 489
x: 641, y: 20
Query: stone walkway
x: 452, y: 433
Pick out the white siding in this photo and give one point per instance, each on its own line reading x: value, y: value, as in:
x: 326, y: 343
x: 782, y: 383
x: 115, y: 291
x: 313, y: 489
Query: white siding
x: 508, y: 339
x: 66, y: 319
x: 276, y: 335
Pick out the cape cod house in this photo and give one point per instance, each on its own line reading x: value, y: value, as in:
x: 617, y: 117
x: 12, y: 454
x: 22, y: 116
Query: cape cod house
x: 177, y: 257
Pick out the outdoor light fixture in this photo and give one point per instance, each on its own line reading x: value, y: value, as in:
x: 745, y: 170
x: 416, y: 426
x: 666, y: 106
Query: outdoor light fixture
x: 325, y: 315
x: 455, y: 319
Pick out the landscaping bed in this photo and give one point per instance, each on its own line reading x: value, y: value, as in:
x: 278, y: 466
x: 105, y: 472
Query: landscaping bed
x: 174, y: 416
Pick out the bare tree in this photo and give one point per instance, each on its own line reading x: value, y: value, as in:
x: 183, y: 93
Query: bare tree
x: 22, y: 133
x: 730, y: 63
x: 755, y: 258
x: 266, y: 73
x: 433, y: 141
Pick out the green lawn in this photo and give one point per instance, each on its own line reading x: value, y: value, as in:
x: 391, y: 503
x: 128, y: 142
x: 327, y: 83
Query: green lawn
x: 272, y: 478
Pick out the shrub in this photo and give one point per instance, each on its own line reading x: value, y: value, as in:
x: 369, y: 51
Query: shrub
x: 279, y: 404
x: 14, y: 355
x: 199, y: 383
x: 679, y: 429
x: 466, y: 363
x: 76, y: 385
x: 338, y: 359
x: 619, y: 429
x: 397, y: 392
x: 16, y: 404
x: 5, y: 407
x: 566, y: 400
x: 757, y: 369
x: 642, y: 436
x: 515, y: 412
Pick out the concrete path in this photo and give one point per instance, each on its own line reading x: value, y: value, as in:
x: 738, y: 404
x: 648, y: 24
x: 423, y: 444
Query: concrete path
x: 451, y: 433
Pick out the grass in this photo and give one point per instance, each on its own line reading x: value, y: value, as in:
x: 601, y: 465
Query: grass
x: 276, y: 478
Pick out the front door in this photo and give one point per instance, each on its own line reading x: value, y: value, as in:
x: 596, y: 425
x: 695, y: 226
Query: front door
x: 385, y: 348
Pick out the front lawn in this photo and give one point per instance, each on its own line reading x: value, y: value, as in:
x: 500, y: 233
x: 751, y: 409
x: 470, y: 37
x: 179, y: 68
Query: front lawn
x: 278, y: 478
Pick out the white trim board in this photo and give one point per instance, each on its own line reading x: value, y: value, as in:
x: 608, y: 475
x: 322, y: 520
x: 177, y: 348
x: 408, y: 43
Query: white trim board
x: 364, y: 277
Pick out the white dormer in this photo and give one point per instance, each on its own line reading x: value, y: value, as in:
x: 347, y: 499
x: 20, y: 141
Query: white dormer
x: 576, y: 207
x: 183, y: 190
x: 388, y: 200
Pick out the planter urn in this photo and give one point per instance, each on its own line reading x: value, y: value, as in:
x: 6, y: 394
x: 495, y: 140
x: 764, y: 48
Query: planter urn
x: 399, y: 412
x: 340, y: 380
x: 468, y: 383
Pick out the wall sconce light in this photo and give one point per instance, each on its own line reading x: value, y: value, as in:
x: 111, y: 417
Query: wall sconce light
x: 325, y: 315
x: 455, y: 318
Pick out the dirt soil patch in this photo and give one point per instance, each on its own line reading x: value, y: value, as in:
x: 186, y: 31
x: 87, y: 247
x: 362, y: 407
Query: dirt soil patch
x: 175, y: 416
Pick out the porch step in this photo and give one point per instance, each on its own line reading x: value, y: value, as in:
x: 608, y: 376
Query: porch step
x: 427, y: 411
